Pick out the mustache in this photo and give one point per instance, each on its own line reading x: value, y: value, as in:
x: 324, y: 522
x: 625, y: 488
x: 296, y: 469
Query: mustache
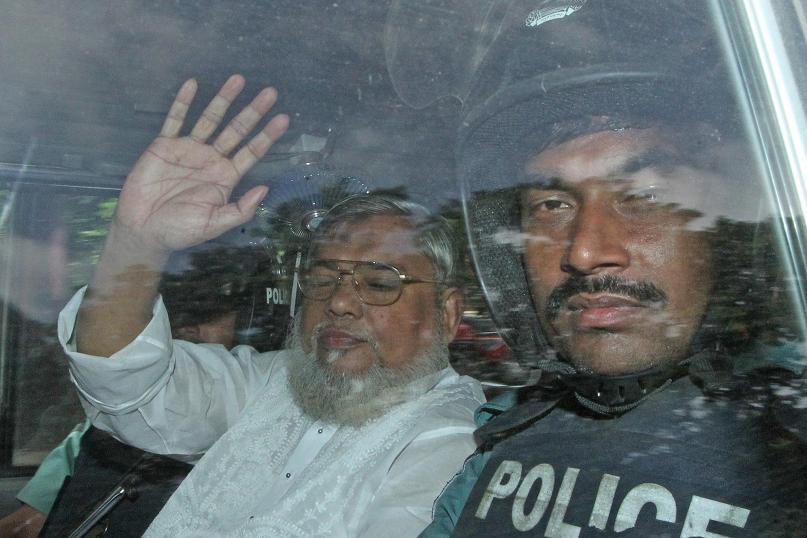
x: 355, y: 332
x: 644, y: 292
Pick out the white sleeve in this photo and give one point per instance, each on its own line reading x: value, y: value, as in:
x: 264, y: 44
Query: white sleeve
x: 162, y: 395
x: 403, y: 505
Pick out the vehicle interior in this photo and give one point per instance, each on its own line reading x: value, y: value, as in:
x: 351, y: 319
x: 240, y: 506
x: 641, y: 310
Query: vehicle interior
x: 374, y: 90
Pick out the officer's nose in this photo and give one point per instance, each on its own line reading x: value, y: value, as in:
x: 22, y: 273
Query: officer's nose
x: 598, y: 241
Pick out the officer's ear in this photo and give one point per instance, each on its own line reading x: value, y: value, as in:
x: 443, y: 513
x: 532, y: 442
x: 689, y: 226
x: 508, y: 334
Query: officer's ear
x: 453, y: 305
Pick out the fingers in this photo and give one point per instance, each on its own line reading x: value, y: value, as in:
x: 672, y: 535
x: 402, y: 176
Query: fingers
x: 260, y: 144
x: 235, y: 214
x: 235, y: 131
x: 214, y: 113
x: 245, y: 121
x: 179, y: 108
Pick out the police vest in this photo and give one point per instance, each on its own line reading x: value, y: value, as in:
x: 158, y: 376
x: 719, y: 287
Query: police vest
x: 680, y: 464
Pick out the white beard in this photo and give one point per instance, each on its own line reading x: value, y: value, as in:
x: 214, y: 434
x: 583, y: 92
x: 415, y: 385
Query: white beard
x: 353, y: 399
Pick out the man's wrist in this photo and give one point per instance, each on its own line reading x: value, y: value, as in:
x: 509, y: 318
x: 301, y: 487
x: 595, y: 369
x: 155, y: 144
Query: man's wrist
x: 128, y: 249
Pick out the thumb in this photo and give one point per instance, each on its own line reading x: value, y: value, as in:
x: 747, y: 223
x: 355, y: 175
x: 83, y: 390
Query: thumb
x: 248, y: 203
x: 235, y: 214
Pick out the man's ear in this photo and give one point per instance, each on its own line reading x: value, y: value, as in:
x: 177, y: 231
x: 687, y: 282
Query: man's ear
x: 453, y: 305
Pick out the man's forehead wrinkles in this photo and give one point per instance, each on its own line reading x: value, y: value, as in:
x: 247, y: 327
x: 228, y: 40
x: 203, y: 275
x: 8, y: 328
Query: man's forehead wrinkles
x: 349, y: 253
x: 397, y: 247
x: 370, y: 231
x: 338, y: 264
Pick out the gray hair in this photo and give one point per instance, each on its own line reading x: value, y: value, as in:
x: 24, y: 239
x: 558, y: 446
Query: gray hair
x: 435, y: 239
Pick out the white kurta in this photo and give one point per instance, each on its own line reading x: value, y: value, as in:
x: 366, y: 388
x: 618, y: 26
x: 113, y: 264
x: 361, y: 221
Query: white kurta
x: 275, y: 472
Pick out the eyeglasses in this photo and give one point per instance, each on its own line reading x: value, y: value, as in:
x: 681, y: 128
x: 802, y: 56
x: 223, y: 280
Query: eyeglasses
x: 376, y: 283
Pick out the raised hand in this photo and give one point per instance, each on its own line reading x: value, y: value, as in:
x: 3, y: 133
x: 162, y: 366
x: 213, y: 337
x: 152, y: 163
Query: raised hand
x: 177, y: 194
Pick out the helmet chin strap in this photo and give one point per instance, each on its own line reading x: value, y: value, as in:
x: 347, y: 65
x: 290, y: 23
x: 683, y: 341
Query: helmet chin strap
x: 614, y: 409
x: 612, y: 395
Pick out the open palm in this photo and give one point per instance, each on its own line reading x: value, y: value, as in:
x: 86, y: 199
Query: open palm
x: 177, y: 194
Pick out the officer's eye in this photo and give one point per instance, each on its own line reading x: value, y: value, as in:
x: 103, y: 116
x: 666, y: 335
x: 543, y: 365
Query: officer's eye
x: 552, y: 205
x: 650, y: 196
x: 645, y: 202
x: 549, y: 205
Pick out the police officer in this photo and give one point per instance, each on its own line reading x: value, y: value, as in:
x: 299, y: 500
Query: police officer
x: 615, y: 225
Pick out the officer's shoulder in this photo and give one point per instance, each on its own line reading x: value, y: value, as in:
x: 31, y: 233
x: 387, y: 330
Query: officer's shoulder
x: 513, y: 411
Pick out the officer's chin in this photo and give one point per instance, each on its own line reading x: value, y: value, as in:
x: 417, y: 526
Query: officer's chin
x: 612, y: 355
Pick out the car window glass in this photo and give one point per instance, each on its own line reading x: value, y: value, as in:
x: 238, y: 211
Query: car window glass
x: 423, y: 99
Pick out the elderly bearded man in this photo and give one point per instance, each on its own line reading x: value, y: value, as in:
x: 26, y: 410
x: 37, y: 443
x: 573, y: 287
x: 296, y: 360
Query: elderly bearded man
x: 351, y: 431
x: 617, y: 230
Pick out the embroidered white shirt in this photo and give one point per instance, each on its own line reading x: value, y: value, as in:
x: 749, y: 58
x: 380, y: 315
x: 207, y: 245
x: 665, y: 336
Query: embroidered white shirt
x: 268, y: 469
